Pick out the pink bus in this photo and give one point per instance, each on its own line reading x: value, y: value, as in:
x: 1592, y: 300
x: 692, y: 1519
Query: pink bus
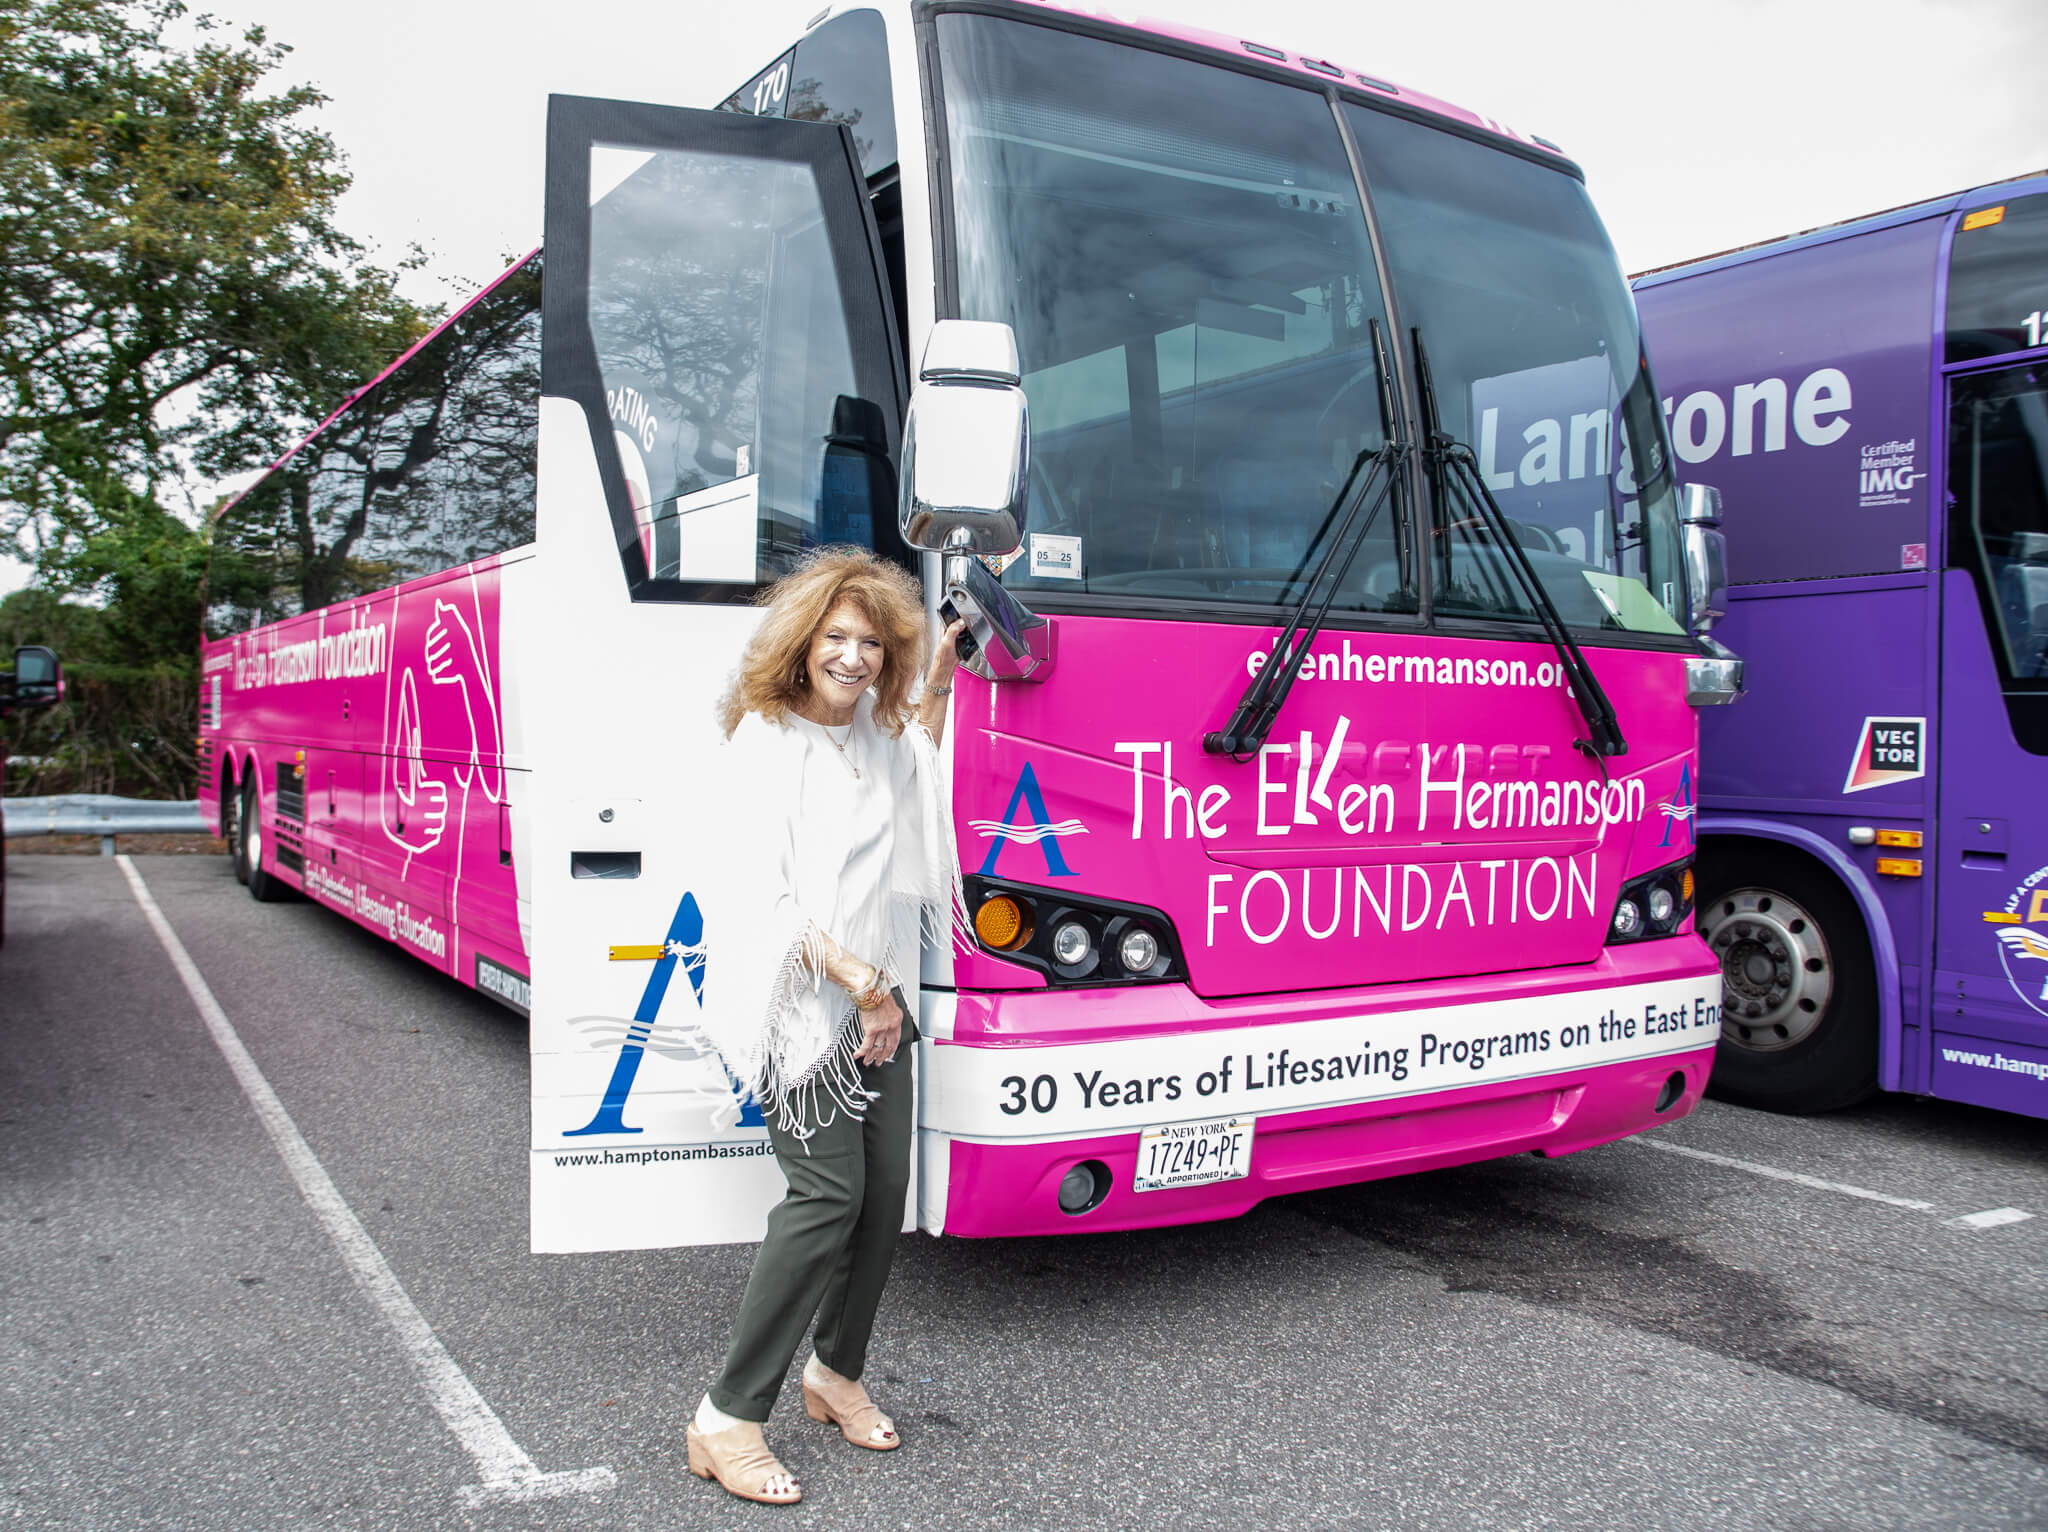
x: 1316, y: 367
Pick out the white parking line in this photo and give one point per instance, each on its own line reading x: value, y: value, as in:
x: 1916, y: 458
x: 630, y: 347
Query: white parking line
x: 1842, y: 1188
x: 1991, y: 1218
x: 507, y: 1473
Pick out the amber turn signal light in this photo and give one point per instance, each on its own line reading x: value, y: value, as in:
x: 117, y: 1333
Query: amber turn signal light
x: 1002, y: 923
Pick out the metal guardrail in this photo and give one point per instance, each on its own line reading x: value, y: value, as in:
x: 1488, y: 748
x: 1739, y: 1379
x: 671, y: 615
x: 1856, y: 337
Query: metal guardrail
x: 99, y: 814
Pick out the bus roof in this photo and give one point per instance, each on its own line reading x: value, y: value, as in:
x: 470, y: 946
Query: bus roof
x: 1869, y: 223
x: 1231, y: 45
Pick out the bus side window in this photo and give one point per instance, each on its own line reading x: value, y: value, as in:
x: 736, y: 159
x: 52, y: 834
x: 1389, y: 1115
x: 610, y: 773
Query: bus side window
x: 429, y: 468
x: 763, y: 96
x: 841, y: 74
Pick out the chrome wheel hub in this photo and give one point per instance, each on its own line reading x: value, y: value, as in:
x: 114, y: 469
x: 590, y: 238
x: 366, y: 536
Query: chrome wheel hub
x: 1776, y: 973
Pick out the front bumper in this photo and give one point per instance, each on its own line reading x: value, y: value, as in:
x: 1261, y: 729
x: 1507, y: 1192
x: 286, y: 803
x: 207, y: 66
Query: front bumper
x: 1346, y: 1086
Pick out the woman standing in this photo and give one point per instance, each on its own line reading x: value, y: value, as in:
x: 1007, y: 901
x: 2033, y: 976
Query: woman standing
x: 812, y: 936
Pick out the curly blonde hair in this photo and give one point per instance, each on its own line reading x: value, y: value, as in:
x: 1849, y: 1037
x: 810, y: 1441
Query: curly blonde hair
x: 773, y: 674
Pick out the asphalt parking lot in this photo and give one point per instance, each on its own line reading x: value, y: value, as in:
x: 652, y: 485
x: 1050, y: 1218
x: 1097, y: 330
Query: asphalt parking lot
x: 1740, y: 1321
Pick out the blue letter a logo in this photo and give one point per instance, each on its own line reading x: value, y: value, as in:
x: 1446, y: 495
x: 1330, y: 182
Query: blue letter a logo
x: 1680, y: 810
x: 1039, y: 828
x: 688, y: 928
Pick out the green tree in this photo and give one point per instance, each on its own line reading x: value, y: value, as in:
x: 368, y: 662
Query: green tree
x: 176, y: 303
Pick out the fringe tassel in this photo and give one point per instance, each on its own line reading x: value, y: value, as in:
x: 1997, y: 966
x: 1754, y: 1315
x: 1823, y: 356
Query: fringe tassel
x: 831, y: 1083
x: 830, y: 1086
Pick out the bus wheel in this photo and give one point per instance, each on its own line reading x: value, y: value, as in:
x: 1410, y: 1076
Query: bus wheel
x: 238, y: 845
x: 262, y: 886
x: 1799, y: 992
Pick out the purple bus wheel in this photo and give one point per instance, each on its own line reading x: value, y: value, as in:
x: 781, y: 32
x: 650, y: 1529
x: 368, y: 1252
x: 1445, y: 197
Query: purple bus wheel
x: 1776, y: 975
x: 1798, y: 1003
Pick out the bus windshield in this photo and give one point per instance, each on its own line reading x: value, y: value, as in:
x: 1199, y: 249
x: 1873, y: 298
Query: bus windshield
x: 1183, y: 255
x: 1502, y: 266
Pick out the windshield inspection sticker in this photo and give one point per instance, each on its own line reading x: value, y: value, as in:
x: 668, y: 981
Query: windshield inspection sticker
x: 1889, y: 750
x: 1055, y: 558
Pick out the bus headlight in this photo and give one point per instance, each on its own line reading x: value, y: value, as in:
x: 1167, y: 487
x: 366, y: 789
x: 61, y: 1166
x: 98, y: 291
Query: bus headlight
x: 1071, y: 944
x: 1139, y: 950
x: 1074, y: 941
x: 1656, y: 904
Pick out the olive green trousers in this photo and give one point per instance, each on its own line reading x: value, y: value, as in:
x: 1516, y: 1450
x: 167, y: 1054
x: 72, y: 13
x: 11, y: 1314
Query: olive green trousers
x: 829, y: 1244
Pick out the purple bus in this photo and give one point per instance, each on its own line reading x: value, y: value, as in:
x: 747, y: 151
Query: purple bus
x: 1873, y: 397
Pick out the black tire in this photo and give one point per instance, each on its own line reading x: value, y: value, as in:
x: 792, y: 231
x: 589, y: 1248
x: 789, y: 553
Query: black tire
x: 1799, y: 989
x: 231, y: 810
x: 263, y: 888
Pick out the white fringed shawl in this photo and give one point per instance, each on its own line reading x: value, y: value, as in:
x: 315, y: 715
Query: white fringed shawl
x: 785, y: 1031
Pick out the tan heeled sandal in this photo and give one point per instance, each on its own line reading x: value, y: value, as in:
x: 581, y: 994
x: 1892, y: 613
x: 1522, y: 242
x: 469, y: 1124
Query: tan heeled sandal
x: 739, y: 1459
x: 844, y: 1403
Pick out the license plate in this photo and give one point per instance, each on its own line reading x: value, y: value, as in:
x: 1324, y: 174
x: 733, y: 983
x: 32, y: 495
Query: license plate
x: 1194, y: 1153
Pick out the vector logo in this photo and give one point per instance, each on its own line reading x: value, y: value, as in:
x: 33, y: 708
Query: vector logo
x: 1888, y: 750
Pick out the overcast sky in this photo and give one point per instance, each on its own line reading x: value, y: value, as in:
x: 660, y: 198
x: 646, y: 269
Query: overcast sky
x: 1701, y: 125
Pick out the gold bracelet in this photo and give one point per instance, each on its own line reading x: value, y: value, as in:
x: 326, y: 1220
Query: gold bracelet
x: 871, y: 995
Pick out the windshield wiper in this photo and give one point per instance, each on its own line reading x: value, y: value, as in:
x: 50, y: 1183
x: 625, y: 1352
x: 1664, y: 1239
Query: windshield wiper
x: 1368, y: 486
x: 1455, y: 472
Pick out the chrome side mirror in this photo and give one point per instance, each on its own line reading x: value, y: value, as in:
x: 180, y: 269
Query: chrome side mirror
x: 966, y: 443
x: 1706, y: 556
x: 1713, y: 677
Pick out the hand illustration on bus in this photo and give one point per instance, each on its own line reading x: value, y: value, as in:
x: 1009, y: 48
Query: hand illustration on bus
x: 434, y: 762
x: 454, y: 658
x: 420, y: 818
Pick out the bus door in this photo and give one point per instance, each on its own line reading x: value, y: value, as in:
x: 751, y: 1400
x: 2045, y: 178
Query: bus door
x: 1991, y: 962
x: 716, y: 338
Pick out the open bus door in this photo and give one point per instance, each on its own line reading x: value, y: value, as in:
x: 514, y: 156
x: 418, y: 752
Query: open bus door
x: 714, y: 313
